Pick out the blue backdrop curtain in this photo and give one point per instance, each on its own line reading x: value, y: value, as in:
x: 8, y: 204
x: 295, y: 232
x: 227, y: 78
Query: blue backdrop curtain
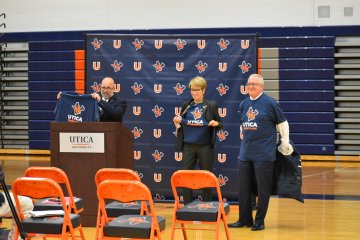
x: 152, y: 73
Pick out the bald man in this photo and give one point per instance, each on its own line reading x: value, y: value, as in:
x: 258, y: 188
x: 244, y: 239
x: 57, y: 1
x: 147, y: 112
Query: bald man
x: 113, y: 108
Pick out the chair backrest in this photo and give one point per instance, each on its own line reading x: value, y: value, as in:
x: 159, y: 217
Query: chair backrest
x: 115, y: 174
x: 194, y: 179
x: 124, y: 191
x: 197, y: 179
x: 37, y: 188
x: 53, y: 173
x: 56, y: 174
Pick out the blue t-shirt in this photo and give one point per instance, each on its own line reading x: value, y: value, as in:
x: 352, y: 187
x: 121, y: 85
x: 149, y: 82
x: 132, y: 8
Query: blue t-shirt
x: 77, y: 108
x: 258, y: 119
x: 195, y: 127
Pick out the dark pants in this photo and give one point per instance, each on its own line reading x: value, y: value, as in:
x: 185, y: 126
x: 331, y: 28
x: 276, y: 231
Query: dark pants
x: 259, y: 174
x: 205, y: 155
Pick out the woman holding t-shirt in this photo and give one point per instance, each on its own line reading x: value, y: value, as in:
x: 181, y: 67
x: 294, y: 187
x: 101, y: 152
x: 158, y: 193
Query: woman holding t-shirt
x: 197, y: 125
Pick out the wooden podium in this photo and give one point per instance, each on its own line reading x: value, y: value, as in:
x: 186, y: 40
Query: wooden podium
x: 81, y: 149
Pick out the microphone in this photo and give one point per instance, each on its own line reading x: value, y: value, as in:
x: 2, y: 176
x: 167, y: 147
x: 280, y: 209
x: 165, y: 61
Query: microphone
x: 187, y: 108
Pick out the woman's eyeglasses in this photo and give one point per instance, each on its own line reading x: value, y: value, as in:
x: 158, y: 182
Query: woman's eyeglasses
x: 196, y: 90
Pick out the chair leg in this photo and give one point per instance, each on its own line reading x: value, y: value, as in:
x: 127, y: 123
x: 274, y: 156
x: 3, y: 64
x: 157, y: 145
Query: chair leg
x: 97, y: 225
x: 101, y: 230
x: 172, y: 231
x: 82, y: 233
x: 183, y: 231
x: 72, y: 232
x: 226, y: 228
x: 227, y: 231
x: 64, y: 236
x: 217, y: 234
x: 173, y: 226
x: 158, y: 235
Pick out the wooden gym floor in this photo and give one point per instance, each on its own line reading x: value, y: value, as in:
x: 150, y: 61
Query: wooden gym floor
x: 331, y: 209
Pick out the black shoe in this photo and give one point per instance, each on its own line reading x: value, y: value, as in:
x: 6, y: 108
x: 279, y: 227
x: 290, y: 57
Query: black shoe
x: 257, y: 227
x: 239, y: 224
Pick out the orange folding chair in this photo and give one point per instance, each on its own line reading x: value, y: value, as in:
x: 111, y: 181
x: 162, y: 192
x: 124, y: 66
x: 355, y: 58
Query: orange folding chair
x: 140, y: 226
x: 198, y: 212
x: 56, y: 225
x: 76, y: 204
x: 115, y: 208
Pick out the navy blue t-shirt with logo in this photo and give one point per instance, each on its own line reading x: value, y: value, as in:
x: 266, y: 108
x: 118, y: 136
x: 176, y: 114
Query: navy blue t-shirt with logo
x: 195, y: 126
x: 77, y: 108
x: 258, y: 119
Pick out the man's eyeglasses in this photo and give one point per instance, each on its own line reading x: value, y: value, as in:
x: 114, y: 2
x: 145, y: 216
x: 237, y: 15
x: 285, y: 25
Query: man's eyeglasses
x: 106, y: 88
x: 253, y: 84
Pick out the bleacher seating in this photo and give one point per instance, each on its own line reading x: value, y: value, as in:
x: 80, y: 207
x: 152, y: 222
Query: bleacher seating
x: 304, y: 69
x: 54, y: 66
x: 13, y: 95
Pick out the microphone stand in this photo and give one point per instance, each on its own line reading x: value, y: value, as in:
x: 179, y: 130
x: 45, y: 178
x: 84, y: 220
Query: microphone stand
x: 23, y: 234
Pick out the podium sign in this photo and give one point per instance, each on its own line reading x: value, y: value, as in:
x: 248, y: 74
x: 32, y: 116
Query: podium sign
x: 82, y: 142
x: 81, y: 149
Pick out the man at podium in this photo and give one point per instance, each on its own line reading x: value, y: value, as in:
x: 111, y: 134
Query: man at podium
x: 112, y: 107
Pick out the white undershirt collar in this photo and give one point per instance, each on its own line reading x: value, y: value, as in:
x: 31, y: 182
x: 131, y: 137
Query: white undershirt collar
x: 256, y: 97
